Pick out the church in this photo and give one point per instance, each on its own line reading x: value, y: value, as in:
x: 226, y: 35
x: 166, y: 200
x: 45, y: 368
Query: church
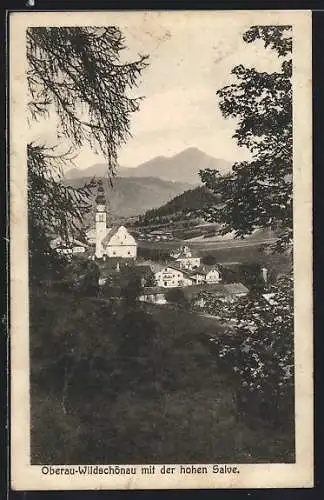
x: 110, y: 242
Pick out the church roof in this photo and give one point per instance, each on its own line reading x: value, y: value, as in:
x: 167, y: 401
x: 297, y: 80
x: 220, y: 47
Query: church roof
x: 111, y: 232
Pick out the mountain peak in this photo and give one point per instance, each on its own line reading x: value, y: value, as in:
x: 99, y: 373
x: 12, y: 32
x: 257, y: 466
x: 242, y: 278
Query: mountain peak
x: 181, y: 167
x: 190, y: 150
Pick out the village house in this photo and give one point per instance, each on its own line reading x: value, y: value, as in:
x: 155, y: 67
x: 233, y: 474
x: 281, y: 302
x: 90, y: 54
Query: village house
x: 169, y: 276
x: 198, y: 277
x: 153, y: 295
x: 224, y: 292
x: 69, y: 248
x: 206, y: 274
x: 186, y: 258
x: 212, y: 274
x: 196, y: 293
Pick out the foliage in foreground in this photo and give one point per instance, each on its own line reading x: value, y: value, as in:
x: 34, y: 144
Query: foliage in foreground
x: 112, y: 383
x: 258, y: 193
x: 258, y: 350
x: 78, y: 78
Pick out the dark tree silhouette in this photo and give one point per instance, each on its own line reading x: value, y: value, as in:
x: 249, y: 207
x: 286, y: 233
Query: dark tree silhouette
x: 176, y: 296
x: 258, y: 193
x: 259, y: 353
x: 131, y: 292
x: 209, y: 259
x: 78, y: 78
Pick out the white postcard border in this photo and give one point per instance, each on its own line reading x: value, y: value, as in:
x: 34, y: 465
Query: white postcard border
x: 27, y: 477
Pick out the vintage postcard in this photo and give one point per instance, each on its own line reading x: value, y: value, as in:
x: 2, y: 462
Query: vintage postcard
x: 161, y: 250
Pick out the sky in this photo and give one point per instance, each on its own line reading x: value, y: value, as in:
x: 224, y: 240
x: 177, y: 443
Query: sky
x: 191, y: 57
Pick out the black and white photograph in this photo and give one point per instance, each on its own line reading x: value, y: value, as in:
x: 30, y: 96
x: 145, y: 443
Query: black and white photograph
x: 161, y: 249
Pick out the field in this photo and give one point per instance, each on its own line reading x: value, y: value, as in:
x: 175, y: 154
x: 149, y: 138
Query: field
x: 114, y: 385
x: 231, y: 251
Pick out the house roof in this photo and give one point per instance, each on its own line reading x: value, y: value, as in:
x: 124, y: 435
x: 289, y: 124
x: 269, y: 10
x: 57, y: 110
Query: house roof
x: 214, y: 288
x: 157, y: 267
x: 194, y: 272
x: 191, y: 291
x: 204, y: 269
x: 179, y: 253
x: 269, y: 298
x: 218, y: 289
x: 210, y: 267
x: 70, y: 244
x: 235, y: 288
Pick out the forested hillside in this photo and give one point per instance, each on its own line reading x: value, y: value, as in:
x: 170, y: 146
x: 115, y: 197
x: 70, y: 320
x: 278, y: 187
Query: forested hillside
x: 193, y: 202
x: 132, y: 196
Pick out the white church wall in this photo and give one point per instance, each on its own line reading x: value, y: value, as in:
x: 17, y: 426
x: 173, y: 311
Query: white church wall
x: 125, y: 251
x: 110, y: 242
x: 121, y: 244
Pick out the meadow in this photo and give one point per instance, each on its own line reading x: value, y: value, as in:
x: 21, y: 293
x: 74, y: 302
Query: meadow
x: 229, y: 252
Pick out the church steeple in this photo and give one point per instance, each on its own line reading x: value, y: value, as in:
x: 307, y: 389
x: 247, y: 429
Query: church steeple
x: 101, y: 219
x: 100, y: 198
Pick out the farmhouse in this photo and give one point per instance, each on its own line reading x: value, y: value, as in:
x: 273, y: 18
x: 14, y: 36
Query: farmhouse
x: 198, y: 276
x: 224, y: 292
x: 212, y: 274
x: 153, y: 295
x: 206, y: 274
x: 71, y: 247
x: 186, y: 258
x: 169, y: 276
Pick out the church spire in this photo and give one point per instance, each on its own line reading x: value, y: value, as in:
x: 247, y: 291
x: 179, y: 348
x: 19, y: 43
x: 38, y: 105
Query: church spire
x: 100, y: 198
x: 101, y: 219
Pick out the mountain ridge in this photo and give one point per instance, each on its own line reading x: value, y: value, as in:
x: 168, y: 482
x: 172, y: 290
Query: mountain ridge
x: 132, y: 196
x: 182, y: 167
